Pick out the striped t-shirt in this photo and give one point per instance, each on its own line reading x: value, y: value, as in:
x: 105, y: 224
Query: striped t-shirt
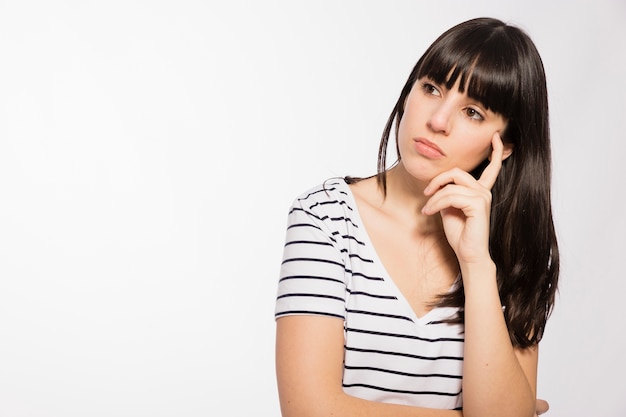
x: 330, y: 268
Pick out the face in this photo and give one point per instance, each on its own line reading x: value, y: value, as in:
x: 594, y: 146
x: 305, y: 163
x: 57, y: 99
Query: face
x: 442, y: 129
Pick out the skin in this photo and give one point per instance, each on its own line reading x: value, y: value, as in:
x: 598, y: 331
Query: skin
x: 437, y: 213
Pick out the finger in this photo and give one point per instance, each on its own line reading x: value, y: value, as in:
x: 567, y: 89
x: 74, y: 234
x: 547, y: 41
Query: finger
x: 542, y: 406
x: 453, y: 176
x: 490, y: 174
x: 469, y: 203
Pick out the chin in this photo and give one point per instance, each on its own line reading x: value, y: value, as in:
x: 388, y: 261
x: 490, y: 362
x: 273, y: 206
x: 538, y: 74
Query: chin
x: 419, y: 172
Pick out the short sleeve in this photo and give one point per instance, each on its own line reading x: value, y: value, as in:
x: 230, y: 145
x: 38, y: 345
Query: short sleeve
x: 313, y: 273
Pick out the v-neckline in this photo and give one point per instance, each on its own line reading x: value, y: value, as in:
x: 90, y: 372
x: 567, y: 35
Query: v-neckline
x: 434, y: 314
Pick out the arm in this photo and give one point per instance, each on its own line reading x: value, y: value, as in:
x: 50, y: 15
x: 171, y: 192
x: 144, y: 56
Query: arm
x: 309, y: 369
x: 496, y: 377
x: 309, y: 357
x: 498, y: 380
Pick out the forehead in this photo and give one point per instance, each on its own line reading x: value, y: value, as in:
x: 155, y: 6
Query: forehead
x: 446, y: 87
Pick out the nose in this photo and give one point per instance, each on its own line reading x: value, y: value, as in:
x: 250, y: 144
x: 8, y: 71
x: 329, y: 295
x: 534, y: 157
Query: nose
x: 439, y: 120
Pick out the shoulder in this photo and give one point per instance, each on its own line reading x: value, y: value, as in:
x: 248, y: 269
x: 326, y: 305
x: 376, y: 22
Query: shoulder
x: 333, y: 195
x: 329, y: 206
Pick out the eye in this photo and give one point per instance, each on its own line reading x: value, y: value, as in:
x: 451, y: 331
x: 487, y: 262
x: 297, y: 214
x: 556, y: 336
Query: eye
x: 474, y: 114
x: 430, y: 89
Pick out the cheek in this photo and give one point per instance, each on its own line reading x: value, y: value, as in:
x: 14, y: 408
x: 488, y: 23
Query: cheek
x: 405, y: 127
x: 411, y: 122
x: 476, y: 154
x: 486, y: 153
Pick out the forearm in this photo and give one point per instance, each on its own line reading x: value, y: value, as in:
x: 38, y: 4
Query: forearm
x: 345, y: 405
x: 351, y: 406
x: 494, y: 382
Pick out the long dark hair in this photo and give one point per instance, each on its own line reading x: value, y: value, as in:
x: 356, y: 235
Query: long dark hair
x: 499, y: 66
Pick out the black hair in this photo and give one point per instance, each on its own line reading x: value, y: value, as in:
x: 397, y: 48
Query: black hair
x: 498, y: 65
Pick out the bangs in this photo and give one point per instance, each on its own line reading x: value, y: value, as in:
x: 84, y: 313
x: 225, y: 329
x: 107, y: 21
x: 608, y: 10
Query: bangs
x: 486, y: 66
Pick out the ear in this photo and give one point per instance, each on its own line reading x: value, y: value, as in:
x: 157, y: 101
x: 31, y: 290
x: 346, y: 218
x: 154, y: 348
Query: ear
x: 507, y: 151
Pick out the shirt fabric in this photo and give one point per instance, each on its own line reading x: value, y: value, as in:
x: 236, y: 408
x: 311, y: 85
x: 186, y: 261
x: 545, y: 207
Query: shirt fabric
x: 330, y: 268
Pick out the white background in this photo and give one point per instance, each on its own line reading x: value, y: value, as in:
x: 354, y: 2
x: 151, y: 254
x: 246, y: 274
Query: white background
x: 149, y: 152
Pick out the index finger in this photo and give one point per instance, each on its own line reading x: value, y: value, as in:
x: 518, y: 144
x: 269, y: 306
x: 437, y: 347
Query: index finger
x: 490, y: 174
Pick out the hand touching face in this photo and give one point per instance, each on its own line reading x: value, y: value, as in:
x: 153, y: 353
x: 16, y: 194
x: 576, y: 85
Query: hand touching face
x: 465, y: 206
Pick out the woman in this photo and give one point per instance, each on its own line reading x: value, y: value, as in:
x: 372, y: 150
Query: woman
x: 425, y: 290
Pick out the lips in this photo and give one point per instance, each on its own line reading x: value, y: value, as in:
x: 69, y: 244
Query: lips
x: 428, y: 149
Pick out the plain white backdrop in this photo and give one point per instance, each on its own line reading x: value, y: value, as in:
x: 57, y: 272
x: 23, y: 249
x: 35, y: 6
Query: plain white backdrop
x: 149, y: 151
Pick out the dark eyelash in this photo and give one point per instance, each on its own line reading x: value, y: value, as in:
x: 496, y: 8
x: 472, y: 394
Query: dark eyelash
x: 426, y: 86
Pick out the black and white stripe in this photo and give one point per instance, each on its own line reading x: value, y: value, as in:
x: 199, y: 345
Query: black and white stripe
x: 330, y: 268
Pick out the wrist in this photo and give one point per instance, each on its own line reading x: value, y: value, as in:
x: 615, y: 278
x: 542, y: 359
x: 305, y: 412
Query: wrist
x: 480, y: 285
x: 483, y: 271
